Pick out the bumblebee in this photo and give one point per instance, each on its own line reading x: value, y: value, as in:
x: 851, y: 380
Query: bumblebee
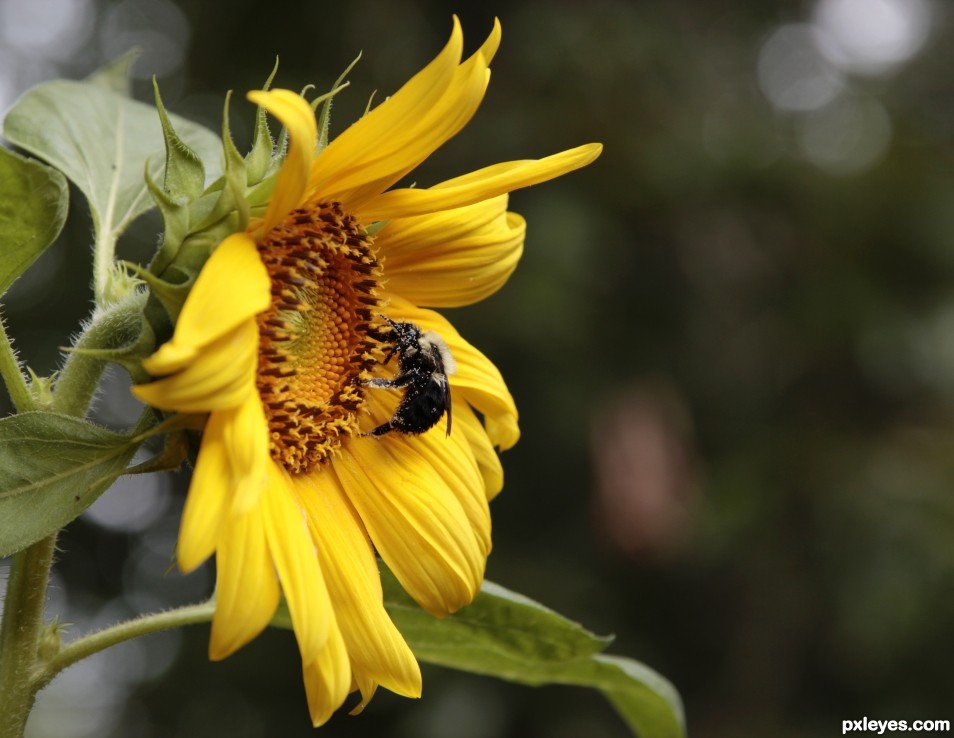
x: 424, y: 363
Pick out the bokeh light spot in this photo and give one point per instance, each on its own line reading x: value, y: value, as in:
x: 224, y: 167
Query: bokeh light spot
x: 792, y: 72
x: 848, y: 136
x: 871, y: 36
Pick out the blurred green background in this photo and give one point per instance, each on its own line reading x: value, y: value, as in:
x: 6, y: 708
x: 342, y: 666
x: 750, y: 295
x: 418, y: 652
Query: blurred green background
x: 731, y: 340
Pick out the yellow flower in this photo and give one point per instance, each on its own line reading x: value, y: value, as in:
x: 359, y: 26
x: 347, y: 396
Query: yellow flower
x: 277, y: 340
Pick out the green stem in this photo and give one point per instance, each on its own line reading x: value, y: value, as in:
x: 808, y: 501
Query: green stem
x: 20, y: 634
x: 104, y: 251
x: 110, y: 328
x: 12, y: 375
x: 29, y: 649
x: 93, y: 643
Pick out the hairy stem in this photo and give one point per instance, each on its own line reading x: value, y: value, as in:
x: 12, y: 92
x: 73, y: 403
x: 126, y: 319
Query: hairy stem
x: 29, y: 649
x: 110, y: 328
x: 12, y: 374
x: 93, y: 643
x: 20, y: 634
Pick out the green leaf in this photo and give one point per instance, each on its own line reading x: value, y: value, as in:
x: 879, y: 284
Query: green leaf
x: 115, y: 75
x: 496, y: 634
x: 34, y: 200
x: 506, y: 635
x: 101, y: 141
x: 648, y: 703
x: 509, y: 636
x: 52, y: 467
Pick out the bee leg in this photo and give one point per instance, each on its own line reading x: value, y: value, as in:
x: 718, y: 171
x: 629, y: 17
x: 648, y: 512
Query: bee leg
x: 401, y: 380
x: 380, y: 430
x: 390, y: 353
x: 379, y: 383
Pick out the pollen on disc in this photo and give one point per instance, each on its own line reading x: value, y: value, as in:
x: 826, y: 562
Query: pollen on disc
x: 316, y: 340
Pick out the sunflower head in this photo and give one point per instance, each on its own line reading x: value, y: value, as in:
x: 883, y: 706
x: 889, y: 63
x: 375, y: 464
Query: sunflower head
x: 318, y: 453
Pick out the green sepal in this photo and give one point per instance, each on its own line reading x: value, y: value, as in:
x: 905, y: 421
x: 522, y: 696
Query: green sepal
x: 230, y: 212
x: 175, y: 222
x: 194, y: 226
x: 34, y: 200
x: 52, y: 467
x: 259, y: 160
x: 186, y: 247
x: 123, y: 287
x: 193, y: 231
x: 51, y: 640
x: 324, y: 118
x: 236, y: 172
x: 171, y: 296
x: 184, y: 177
x: 41, y: 390
x: 182, y: 187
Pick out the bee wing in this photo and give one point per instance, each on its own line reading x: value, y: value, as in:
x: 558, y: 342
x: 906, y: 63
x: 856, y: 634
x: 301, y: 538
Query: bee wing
x: 447, y: 404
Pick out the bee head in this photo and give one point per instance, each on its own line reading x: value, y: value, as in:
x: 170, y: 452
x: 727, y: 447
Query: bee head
x: 404, y: 334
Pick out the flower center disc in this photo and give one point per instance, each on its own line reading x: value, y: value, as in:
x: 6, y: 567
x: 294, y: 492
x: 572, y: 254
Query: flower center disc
x: 316, y: 340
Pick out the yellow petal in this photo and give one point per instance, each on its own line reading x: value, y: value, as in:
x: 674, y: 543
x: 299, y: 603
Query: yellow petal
x: 232, y: 287
x: 452, y: 458
x: 368, y: 687
x: 246, y: 587
x: 377, y: 650
x: 246, y: 438
x: 351, y: 151
x: 299, y: 120
x: 327, y: 679
x: 207, y: 503
x: 293, y: 552
x: 481, y: 384
x: 402, y: 132
x: 228, y: 479
x: 455, y: 257
x: 477, y: 379
x: 488, y: 49
x: 480, y: 185
x: 221, y: 376
x: 488, y: 461
x: 416, y: 522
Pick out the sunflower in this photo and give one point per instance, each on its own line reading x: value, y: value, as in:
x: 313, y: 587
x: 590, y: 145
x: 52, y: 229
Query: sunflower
x: 278, y: 341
